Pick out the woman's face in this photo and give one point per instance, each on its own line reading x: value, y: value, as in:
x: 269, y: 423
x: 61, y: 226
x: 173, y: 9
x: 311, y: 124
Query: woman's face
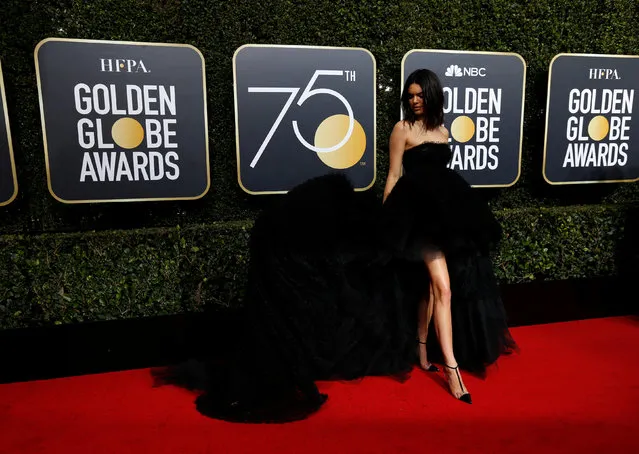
x: 416, y: 99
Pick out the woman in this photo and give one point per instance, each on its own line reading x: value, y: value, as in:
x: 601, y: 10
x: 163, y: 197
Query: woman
x: 432, y: 215
x: 334, y: 281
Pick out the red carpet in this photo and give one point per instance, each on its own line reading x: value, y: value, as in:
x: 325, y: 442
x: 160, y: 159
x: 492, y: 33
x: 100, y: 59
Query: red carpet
x: 573, y: 388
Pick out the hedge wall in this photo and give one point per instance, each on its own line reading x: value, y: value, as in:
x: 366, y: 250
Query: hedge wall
x: 63, y: 263
x: 63, y: 278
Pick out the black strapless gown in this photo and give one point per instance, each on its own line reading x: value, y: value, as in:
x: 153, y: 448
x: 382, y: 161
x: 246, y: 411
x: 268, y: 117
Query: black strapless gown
x: 334, y: 282
x: 433, y: 208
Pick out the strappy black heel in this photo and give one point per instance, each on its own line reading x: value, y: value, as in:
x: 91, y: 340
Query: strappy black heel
x: 466, y: 396
x: 431, y: 367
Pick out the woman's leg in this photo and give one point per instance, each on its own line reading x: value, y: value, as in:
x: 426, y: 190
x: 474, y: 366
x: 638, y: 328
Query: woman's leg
x: 424, y: 316
x: 440, y: 282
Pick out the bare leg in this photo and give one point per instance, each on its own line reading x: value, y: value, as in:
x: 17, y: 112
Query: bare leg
x: 424, y: 316
x: 438, y: 270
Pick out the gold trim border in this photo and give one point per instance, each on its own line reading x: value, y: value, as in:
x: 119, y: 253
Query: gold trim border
x: 543, y: 167
x: 9, y: 140
x: 294, y: 46
x: 128, y: 43
x: 523, y: 97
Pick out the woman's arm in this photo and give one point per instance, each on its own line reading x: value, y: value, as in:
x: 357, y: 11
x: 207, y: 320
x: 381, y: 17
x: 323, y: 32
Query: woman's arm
x: 397, y: 144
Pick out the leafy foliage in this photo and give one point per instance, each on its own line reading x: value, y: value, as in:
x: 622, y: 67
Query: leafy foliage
x: 67, y: 278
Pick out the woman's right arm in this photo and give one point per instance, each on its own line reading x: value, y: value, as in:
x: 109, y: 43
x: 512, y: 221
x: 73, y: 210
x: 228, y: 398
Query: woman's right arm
x: 397, y: 143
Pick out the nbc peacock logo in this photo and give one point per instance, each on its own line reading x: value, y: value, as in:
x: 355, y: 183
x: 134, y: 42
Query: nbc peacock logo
x: 453, y: 71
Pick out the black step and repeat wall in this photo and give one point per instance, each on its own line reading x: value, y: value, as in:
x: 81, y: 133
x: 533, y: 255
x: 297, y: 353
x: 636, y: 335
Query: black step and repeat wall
x: 127, y: 121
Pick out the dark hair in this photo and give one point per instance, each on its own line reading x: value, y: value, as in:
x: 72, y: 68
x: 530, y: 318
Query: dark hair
x: 433, y: 98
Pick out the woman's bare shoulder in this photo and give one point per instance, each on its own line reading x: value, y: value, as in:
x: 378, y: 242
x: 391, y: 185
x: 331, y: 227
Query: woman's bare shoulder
x: 401, y: 126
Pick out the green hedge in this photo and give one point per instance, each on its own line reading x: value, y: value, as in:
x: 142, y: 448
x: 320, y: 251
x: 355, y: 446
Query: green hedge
x: 565, y: 243
x: 67, y: 278
x: 537, y: 29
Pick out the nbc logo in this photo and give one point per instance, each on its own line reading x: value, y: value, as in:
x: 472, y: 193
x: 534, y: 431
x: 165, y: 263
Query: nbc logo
x: 453, y: 71
x: 456, y: 71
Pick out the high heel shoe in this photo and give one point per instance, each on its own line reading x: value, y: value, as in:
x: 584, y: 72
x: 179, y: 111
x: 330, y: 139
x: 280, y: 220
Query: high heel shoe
x: 466, y: 396
x: 431, y: 367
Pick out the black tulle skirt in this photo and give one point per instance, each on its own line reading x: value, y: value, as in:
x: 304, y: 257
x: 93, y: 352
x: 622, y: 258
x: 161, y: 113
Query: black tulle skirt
x: 434, y: 209
x: 334, y: 282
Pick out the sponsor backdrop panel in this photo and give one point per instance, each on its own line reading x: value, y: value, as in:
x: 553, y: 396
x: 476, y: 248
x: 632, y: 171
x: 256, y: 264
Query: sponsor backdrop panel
x: 8, y: 180
x: 302, y: 112
x: 591, y: 133
x: 123, y: 121
x: 483, y: 110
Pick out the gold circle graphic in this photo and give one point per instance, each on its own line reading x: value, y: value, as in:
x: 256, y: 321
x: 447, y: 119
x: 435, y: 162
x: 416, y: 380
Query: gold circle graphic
x: 598, y: 128
x: 127, y: 133
x: 330, y: 132
x: 462, y: 129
